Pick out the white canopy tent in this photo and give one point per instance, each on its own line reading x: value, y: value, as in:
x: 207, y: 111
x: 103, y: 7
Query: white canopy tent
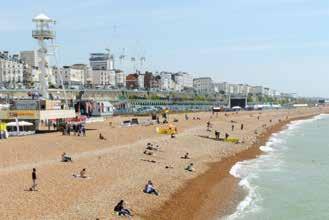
x: 20, y: 123
x: 20, y: 128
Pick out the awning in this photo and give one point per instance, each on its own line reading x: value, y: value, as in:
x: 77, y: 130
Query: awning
x: 20, y: 123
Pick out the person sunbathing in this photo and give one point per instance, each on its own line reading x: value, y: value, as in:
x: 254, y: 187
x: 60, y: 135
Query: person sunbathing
x: 66, y: 158
x: 190, y: 167
x: 149, y: 188
x: 186, y: 156
x: 121, y: 210
x: 150, y: 153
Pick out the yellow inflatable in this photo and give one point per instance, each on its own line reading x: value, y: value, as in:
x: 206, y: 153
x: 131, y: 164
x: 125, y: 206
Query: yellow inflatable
x: 167, y: 130
x: 232, y: 140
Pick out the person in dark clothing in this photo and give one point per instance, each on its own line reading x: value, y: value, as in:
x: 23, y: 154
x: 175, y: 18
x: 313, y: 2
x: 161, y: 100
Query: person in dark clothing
x: 121, y: 210
x: 217, y: 134
x: 232, y: 127
x: 83, y: 130
x: 226, y: 135
x: 34, y: 179
x: 101, y: 137
x: 74, y: 127
x: 69, y: 130
x: 241, y: 127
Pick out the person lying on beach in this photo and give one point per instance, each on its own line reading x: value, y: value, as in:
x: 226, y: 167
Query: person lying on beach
x: 121, y: 210
x: 190, y: 167
x: 146, y: 152
x: 101, y: 137
x: 151, y: 161
x: 186, y: 156
x: 169, y: 167
x: 149, y: 188
x: 66, y: 158
x: 175, y: 120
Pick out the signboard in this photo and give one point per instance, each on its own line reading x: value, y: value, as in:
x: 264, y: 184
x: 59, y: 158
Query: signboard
x: 20, y: 114
x: 26, y: 105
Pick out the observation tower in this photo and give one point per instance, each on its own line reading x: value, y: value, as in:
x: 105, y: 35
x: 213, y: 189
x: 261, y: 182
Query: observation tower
x: 43, y: 32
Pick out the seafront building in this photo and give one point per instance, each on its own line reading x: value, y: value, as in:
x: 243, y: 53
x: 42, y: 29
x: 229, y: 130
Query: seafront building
x: 69, y: 75
x: 11, y: 70
x: 102, y: 74
x: 203, y: 85
x: 30, y: 57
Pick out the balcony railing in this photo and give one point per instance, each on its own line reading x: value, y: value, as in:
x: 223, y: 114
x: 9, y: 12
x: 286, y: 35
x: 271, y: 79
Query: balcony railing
x: 45, y: 34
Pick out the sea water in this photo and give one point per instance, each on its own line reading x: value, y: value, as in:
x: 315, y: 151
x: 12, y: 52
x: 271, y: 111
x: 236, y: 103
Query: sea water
x: 291, y: 179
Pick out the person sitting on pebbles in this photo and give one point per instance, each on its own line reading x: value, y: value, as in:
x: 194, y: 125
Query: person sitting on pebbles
x: 66, y: 158
x: 101, y: 137
x: 82, y: 174
x: 121, y: 210
x: 186, y: 156
x: 149, y: 146
x: 190, y: 167
x: 149, y: 188
x: 150, y: 153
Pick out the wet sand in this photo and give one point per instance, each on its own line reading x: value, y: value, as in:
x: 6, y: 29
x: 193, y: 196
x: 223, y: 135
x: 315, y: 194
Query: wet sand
x: 118, y: 169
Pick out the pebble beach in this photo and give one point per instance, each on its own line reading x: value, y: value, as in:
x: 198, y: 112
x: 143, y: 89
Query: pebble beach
x: 117, y: 168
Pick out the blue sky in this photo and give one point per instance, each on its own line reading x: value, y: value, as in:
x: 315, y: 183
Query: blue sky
x: 283, y: 44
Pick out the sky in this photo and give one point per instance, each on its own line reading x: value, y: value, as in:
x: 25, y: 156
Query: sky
x: 282, y: 44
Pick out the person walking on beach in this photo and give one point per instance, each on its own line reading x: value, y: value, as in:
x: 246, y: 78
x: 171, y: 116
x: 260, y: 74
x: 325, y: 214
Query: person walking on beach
x: 241, y: 127
x: 34, y: 179
x: 208, y: 125
x: 217, y: 134
x: 226, y: 136
x: 232, y: 127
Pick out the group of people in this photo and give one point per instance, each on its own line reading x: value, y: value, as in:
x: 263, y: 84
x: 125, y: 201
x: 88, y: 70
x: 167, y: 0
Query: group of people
x: 77, y: 129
